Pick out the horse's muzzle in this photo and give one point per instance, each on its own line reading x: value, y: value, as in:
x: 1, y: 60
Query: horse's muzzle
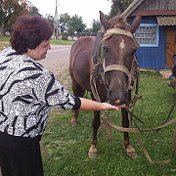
x: 117, y: 97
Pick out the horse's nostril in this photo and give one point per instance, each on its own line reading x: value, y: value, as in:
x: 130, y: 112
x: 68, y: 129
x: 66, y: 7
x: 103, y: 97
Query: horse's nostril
x: 117, y: 96
x: 117, y: 101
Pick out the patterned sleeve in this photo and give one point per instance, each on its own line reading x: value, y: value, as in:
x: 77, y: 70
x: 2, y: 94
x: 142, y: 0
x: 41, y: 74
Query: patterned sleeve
x: 57, y: 95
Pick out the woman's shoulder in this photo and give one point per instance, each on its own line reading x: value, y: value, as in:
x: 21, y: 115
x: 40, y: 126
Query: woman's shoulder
x: 6, y: 52
x: 35, y: 66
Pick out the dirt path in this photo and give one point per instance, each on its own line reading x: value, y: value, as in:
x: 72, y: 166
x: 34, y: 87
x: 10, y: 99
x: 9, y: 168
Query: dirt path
x: 57, y: 62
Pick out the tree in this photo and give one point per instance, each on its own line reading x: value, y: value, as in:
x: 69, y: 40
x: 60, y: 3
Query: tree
x: 50, y: 19
x: 87, y: 32
x: 95, y: 26
x: 118, y: 6
x: 9, y: 10
x: 63, y: 22
x: 34, y: 11
x: 76, y: 26
x: 1, y: 16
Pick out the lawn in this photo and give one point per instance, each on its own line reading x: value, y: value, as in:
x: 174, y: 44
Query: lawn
x: 4, y: 42
x: 65, y: 148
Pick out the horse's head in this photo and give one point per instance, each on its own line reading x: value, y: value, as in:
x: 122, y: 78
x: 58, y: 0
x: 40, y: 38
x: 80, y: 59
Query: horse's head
x: 118, y: 47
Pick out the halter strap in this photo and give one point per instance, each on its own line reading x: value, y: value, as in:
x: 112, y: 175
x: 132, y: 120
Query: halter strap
x: 112, y: 31
x: 117, y: 67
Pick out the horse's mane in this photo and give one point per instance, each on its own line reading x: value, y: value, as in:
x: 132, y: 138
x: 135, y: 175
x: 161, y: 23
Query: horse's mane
x: 118, y: 22
x: 97, y: 47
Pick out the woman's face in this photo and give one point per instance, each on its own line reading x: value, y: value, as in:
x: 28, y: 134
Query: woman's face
x: 40, y: 51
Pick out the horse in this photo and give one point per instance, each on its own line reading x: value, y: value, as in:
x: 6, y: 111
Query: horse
x: 105, y: 65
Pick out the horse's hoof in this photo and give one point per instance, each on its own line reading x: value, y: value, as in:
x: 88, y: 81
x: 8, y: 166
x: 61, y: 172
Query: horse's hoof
x: 130, y: 151
x: 92, y: 152
x: 74, y: 122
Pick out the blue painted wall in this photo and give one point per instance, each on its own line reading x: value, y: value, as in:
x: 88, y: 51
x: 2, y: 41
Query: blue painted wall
x: 153, y: 57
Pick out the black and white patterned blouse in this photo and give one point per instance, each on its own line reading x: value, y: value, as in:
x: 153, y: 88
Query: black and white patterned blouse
x: 27, y: 93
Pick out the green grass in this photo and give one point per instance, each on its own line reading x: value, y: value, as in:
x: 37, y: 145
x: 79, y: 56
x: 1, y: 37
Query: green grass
x: 61, y: 42
x: 3, y: 45
x: 4, y: 38
x: 65, y: 148
x: 4, y: 42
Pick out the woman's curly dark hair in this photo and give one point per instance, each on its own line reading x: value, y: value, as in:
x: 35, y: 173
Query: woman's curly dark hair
x: 28, y: 32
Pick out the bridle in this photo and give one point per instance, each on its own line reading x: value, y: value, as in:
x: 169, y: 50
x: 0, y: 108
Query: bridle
x: 119, y: 67
x: 102, y: 69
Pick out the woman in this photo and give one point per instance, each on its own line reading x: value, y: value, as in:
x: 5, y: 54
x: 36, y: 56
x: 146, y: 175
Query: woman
x: 27, y: 93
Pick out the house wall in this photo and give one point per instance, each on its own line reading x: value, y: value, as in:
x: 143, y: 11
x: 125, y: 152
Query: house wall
x: 158, y: 5
x: 153, y: 57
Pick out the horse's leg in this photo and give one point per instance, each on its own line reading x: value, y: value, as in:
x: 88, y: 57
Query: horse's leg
x: 95, y: 124
x: 130, y: 151
x: 77, y: 91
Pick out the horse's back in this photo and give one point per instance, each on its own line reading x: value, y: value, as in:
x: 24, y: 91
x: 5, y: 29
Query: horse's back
x: 80, y: 57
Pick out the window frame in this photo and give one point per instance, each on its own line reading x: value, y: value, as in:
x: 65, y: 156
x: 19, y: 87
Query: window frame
x: 157, y: 35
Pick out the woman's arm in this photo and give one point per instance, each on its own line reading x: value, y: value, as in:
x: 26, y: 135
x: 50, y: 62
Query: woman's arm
x: 87, y: 104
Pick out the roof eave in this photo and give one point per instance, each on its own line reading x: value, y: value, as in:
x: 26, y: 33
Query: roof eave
x: 131, y: 8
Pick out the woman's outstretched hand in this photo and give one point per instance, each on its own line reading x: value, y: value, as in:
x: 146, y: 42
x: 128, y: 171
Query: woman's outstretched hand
x: 108, y: 106
x: 90, y: 105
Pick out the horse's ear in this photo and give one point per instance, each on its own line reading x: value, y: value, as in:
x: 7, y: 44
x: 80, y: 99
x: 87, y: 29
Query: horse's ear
x: 104, y: 20
x: 135, y: 24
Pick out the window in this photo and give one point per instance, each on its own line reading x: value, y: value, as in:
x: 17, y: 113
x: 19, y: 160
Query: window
x: 147, y: 35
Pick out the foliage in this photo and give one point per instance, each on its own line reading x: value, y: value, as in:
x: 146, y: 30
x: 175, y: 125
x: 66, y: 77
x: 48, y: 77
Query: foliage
x: 95, y: 27
x: 76, y: 25
x: 10, y: 10
x: 68, y: 25
x: 50, y: 19
x: 65, y: 35
x: 71, y: 25
x: 34, y: 11
x: 87, y: 32
x: 64, y: 20
x: 118, y: 6
x: 64, y: 148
